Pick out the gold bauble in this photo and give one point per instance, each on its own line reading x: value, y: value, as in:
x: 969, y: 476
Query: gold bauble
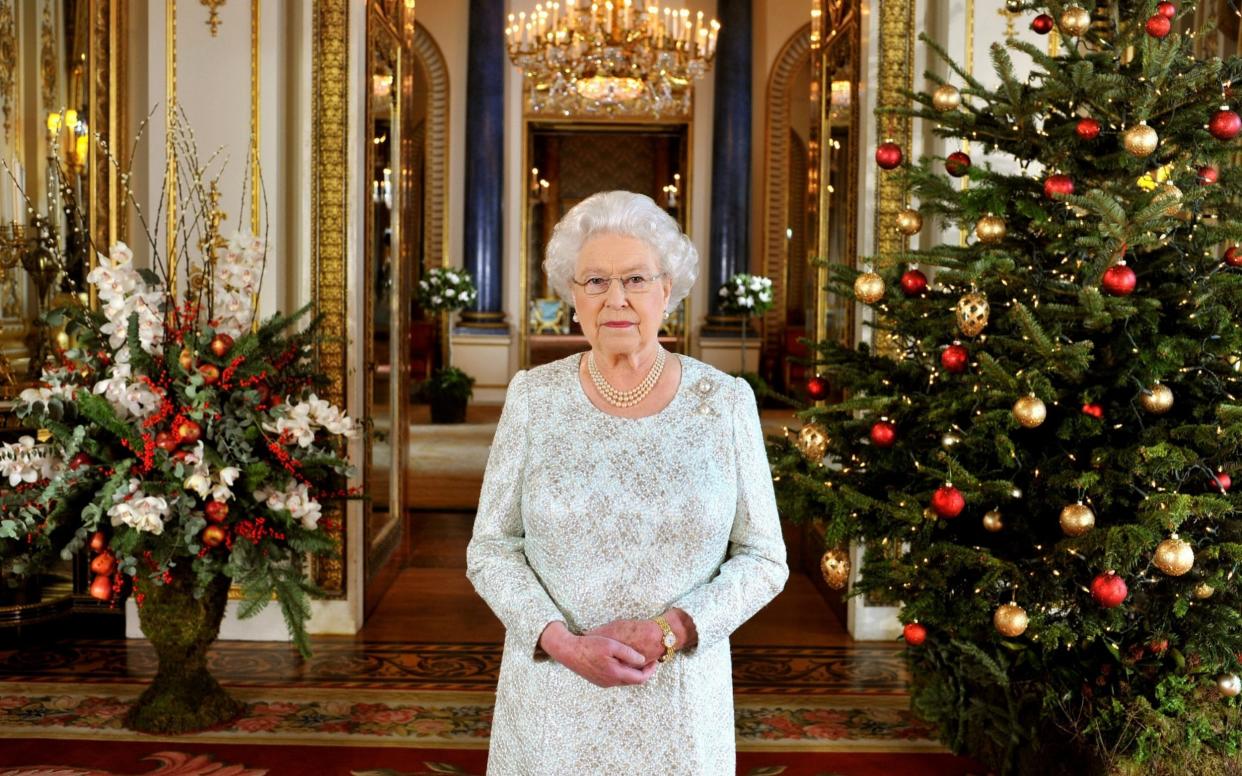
x: 909, y: 222
x: 946, y: 98
x: 990, y: 229
x: 1030, y: 411
x: 992, y: 521
x: 1157, y: 400
x: 1010, y: 620
x: 1173, y: 195
x: 1174, y: 556
x: 1077, y: 519
x: 972, y: 314
x: 869, y: 288
x: 1229, y: 685
x: 1203, y: 591
x: 813, y: 442
x: 1141, y: 140
x: 835, y: 566
x: 1075, y: 21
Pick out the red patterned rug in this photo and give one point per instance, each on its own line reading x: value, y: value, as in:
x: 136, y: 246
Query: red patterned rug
x: 39, y: 757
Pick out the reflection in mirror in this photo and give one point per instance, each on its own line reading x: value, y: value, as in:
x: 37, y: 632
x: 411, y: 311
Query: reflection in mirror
x: 382, y: 256
x: 46, y: 122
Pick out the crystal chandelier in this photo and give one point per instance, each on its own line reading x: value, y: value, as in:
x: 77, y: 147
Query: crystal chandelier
x: 610, y: 58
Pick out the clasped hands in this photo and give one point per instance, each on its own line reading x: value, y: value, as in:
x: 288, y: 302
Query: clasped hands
x: 618, y: 653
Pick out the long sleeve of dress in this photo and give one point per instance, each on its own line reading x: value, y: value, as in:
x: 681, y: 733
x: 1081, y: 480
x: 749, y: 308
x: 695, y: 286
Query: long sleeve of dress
x: 755, y: 571
x: 495, y: 558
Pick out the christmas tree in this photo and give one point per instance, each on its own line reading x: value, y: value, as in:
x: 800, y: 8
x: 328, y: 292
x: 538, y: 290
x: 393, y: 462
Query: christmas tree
x: 1036, y: 448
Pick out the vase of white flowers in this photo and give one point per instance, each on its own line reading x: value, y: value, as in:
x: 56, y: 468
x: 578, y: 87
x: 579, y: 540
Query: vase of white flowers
x: 443, y: 291
x: 746, y: 295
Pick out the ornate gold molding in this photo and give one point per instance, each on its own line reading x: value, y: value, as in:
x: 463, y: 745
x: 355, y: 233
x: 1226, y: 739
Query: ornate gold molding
x: 435, y: 156
x: 792, y: 56
x: 255, y: 79
x: 48, y: 61
x: 213, y: 18
x: 8, y: 63
x: 329, y: 206
x: 893, y: 77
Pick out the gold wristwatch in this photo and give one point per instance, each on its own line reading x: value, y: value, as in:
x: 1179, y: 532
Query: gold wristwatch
x: 669, y: 641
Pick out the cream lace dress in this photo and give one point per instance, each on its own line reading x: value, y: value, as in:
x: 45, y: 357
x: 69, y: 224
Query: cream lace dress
x: 586, y: 517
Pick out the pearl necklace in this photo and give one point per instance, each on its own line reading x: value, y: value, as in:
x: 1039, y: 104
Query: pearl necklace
x: 625, y: 398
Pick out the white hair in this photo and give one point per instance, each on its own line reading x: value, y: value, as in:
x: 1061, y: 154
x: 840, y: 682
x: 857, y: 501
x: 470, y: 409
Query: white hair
x: 626, y: 214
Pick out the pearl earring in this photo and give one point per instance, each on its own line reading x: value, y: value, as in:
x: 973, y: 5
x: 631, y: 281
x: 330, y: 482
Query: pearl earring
x: 576, y: 318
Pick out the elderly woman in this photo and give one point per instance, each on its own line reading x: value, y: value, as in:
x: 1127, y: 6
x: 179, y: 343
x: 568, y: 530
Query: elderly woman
x: 627, y: 523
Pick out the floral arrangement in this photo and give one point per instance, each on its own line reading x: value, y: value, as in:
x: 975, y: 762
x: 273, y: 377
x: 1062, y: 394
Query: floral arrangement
x: 179, y: 437
x: 746, y: 295
x: 445, y: 290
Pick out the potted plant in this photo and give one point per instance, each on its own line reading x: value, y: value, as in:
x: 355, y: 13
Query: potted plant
x: 448, y: 390
x: 745, y: 295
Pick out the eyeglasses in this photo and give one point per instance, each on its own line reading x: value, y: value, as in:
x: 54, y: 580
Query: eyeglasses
x: 631, y: 284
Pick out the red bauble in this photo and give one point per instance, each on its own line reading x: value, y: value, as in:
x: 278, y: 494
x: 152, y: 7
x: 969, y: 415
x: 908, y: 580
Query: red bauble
x: 1233, y: 257
x: 188, y: 432
x: 914, y: 634
x: 221, y: 344
x: 1208, y: 174
x: 1058, y: 186
x: 1167, y: 10
x: 1159, y: 26
x: 1109, y: 590
x: 104, y: 564
x: 883, y: 434
x: 217, y: 511
x: 1042, y: 24
x: 1225, y: 124
x: 1119, y: 280
x: 1223, y: 481
x: 99, y: 541
x: 79, y: 460
x: 1088, y: 128
x: 817, y: 388
x: 101, y: 588
x: 888, y: 155
x: 1094, y: 410
x: 213, y: 536
x: 210, y: 373
x: 957, y: 164
x: 947, y: 501
x: 954, y: 359
x: 913, y: 282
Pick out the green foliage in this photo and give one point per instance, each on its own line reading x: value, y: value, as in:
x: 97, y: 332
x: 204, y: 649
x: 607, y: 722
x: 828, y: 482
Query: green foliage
x: 1085, y: 689
x: 448, y: 382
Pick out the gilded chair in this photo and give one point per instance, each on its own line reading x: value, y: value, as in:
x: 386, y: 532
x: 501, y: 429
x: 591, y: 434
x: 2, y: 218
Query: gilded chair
x: 548, y: 315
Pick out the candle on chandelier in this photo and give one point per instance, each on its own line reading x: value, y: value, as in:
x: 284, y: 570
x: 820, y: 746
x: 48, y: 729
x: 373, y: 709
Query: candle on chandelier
x: 702, y: 46
x: 711, y: 39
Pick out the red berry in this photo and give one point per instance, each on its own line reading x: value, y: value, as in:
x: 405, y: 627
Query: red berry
x: 888, y: 155
x: 948, y: 501
x: 1109, y: 590
x: 1119, y: 280
x: 1225, y: 124
x: 954, y: 359
x: 1094, y: 410
x: 1233, y: 257
x: 914, y: 634
x: 1208, y: 174
x: 1088, y: 128
x: 1159, y: 26
x: 817, y: 388
x: 957, y: 164
x: 1058, y: 186
x: 883, y: 434
x: 217, y: 511
x: 1223, y: 481
x: 1167, y: 10
x: 913, y: 282
x: 1042, y: 24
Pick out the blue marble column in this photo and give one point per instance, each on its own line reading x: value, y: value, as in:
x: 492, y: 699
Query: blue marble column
x: 485, y: 125
x: 730, y: 223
